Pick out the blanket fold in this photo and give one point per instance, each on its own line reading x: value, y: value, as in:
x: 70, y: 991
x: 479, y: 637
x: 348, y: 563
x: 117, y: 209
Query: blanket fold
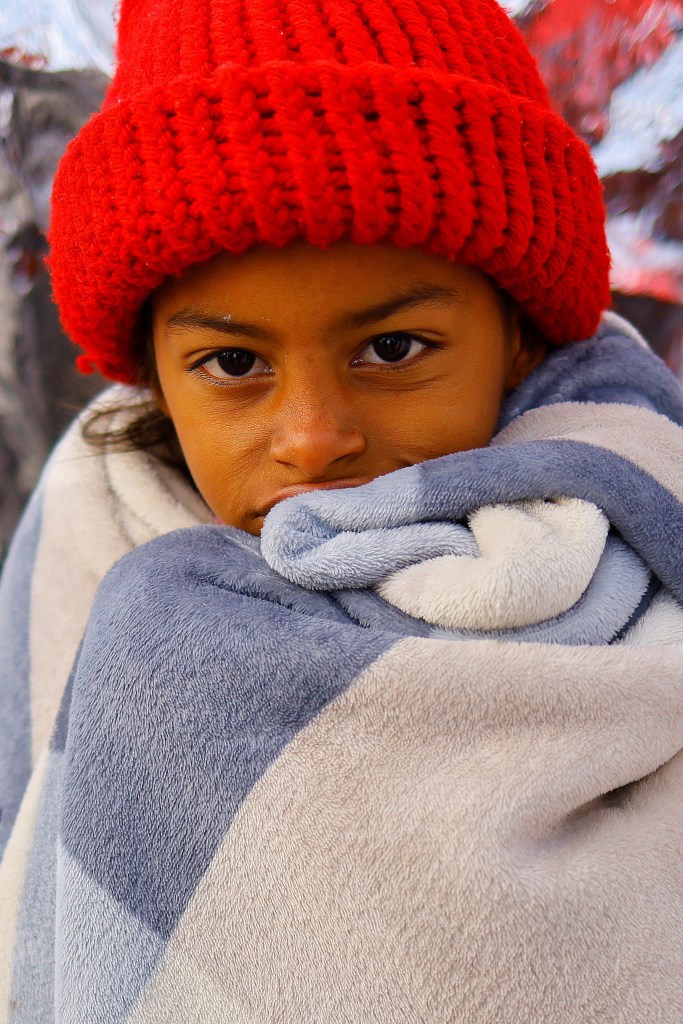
x: 414, y: 756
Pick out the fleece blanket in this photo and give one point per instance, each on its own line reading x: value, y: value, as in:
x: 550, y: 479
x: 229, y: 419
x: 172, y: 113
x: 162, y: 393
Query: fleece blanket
x: 414, y: 756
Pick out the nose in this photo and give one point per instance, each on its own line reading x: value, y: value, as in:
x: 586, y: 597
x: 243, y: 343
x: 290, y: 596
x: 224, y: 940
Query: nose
x: 313, y: 433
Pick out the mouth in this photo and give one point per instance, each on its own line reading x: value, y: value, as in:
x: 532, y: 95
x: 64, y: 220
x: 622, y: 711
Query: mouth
x: 294, y: 489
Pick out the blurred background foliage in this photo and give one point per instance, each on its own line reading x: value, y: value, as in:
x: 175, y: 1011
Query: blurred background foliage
x: 614, y: 69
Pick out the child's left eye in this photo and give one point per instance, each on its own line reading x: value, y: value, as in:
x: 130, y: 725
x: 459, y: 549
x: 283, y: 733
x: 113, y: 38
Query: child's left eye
x: 391, y: 348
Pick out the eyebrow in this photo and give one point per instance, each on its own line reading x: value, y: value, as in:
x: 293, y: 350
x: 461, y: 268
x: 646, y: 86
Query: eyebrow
x: 420, y: 295
x: 203, y: 320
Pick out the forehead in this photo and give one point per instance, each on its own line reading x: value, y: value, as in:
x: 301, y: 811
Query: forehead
x: 302, y: 280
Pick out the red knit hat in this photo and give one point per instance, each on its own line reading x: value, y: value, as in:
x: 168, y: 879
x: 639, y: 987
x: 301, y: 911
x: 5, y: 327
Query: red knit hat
x: 233, y: 122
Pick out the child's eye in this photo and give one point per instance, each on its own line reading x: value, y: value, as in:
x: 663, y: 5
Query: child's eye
x: 234, y: 362
x: 391, y: 348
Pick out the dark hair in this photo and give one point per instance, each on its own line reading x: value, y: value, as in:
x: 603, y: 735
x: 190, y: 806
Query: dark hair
x: 124, y: 426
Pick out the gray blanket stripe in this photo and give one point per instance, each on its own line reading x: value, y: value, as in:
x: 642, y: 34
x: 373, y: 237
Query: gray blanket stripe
x: 607, y: 368
x: 15, y: 686
x: 189, y: 658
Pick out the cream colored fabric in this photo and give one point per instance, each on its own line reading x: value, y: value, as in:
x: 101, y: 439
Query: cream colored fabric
x: 535, y: 560
x: 96, y: 508
x: 474, y: 832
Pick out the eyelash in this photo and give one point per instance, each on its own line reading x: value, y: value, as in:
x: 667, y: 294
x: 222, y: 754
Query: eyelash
x: 196, y: 367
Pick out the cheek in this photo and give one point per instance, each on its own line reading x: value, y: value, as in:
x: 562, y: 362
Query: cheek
x: 458, y: 424
x: 451, y: 416
x: 224, y: 454
x: 461, y: 410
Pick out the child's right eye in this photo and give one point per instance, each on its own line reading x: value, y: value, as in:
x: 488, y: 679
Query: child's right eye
x: 234, y: 363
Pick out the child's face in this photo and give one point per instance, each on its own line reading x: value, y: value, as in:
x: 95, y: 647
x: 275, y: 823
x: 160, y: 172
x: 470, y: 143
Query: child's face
x: 290, y: 369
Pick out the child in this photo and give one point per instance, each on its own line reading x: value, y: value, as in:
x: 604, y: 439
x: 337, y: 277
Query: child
x: 342, y: 644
